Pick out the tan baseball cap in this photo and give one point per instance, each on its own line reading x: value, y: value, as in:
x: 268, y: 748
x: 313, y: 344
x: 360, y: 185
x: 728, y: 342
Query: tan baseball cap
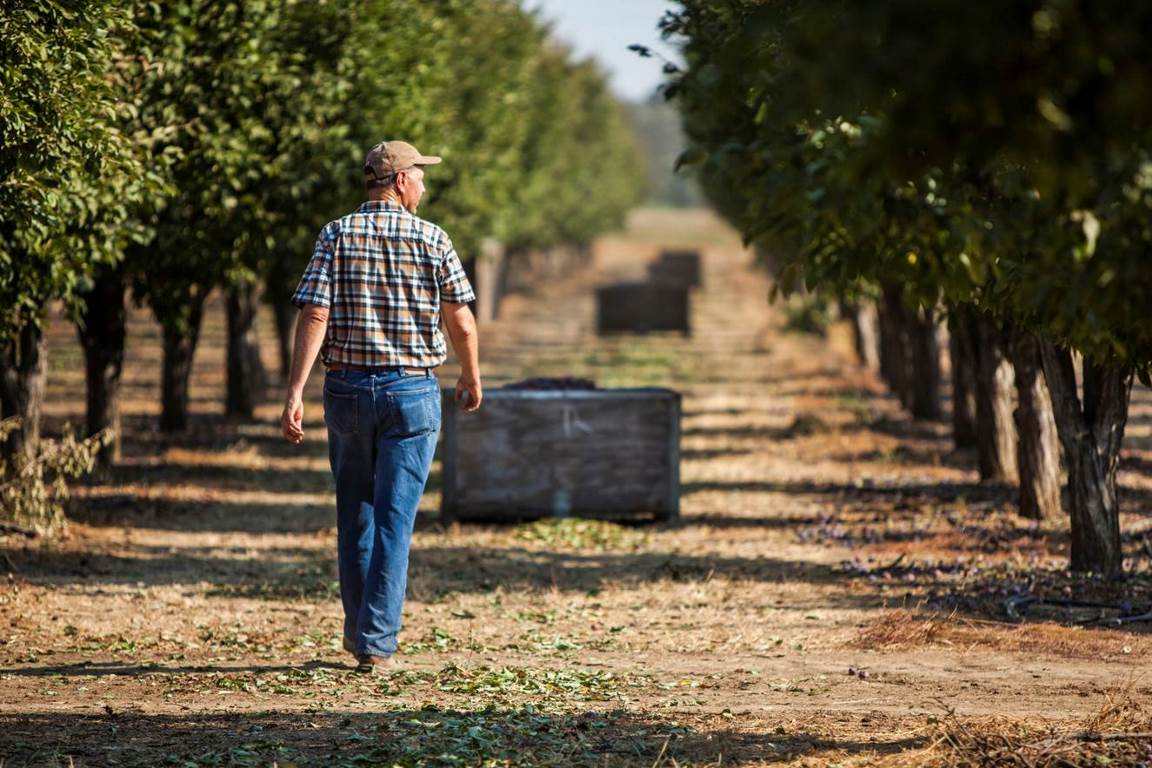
x: 391, y: 157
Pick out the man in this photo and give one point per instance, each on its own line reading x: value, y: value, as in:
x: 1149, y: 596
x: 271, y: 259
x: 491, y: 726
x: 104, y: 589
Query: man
x: 371, y: 301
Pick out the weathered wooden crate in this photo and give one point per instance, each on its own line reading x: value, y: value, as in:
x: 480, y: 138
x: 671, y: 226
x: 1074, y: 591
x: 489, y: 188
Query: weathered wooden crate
x: 642, y: 308
x: 676, y: 268
x: 611, y: 454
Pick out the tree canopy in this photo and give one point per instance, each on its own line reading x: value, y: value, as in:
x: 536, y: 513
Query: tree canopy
x: 993, y: 154
x: 219, y: 137
x: 69, y: 171
x: 990, y: 155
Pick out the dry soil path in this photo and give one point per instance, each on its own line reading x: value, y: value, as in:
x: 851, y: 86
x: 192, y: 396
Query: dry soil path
x: 190, y: 615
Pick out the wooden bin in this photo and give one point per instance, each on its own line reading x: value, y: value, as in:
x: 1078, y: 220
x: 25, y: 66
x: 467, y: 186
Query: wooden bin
x: 611, y: 454
x: 676, y: 268
x: 642, y: 308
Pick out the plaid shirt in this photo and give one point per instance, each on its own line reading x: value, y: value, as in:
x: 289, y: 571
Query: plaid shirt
x: 383, y: 272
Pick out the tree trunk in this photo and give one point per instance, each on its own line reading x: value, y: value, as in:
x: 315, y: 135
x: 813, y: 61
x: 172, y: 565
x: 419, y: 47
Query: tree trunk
x: 995, y: 429
x: 102, y: 332
x: 924, y: 379
x: 179, y: 349
x: 1091, y: 432
x: 885, y: 328
x: 489, y: 279
x: 865, y: 332
x: 247, y: 378
x: 1038, y: 452
x: 23, y: 367
x: 962, y: 353
x: 285, y: 317
x: 278, y: 292
x: 894, y: 352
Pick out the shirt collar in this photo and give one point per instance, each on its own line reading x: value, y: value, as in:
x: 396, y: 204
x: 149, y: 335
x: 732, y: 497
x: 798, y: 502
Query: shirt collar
x: 378, y: 206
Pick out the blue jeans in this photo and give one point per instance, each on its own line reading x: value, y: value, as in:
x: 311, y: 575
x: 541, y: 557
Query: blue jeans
x: 382, y: 430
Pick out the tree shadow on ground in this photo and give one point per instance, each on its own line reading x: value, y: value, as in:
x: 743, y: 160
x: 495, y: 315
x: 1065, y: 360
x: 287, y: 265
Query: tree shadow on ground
x: 1038, y: 595
x: 217, y: 476
x: 133, y: 511
x: 727, y: 522
x: 405, y: 736
x: 303, y: 572
x: 694, y: 413
x: 807, y: 424
x: 702, y: 454
x: 907, y: 428
x: 121, y: 669
x: 1130, y: 462
x: 865, y: 491
x: 214, y: 432
x: 440, y: 570
x: 747, y: 432
x: 796, y: 381
x: 1134, y: 500
x: 846, y: 395
x: 435, y: 571
x: 908, y: 455
x: 216, y: 511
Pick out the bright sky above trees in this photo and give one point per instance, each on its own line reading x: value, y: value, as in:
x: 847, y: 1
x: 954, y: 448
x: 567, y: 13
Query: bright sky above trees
x: 604, y: 29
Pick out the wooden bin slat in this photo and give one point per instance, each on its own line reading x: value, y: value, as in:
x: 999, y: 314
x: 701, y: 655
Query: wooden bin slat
x: 611, y: 454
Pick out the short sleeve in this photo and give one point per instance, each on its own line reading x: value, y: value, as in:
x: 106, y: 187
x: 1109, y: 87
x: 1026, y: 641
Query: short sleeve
x: 316, y: 285
x: 453, y: 282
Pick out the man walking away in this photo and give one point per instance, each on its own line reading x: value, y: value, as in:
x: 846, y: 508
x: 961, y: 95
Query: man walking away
x: 371, y: 301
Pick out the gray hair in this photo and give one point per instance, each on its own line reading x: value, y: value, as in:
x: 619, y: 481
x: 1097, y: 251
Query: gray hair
x: 387, y: 181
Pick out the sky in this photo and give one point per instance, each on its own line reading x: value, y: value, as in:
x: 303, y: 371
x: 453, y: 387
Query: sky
x: 604, y: 29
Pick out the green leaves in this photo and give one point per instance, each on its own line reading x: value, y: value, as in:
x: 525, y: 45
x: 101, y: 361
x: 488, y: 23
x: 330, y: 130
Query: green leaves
x: 575, y: 533
x: 208, y: 142
x: 1007, y: 150
x: 33, y: 489
x: 66, y: 168
x: 694, y: 155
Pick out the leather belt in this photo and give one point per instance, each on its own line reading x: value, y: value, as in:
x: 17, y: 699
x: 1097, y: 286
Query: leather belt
x: 338, y: 367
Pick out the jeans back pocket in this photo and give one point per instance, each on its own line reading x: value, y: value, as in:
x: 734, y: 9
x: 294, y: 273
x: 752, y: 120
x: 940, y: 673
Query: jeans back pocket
x: 417, y: 412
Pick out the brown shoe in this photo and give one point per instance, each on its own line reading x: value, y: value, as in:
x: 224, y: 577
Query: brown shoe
x: 350, y: 646
x: 371, y: 665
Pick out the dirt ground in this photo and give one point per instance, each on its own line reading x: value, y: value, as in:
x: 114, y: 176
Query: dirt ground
x: 840, y: 590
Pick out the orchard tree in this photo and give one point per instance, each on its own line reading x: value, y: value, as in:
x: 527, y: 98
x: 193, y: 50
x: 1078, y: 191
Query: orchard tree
x: 570, y: 194
x: 214, y: 82
x: 68, y: 177
x: 1050, y: 101
x: 524, y: 130
x: 1028, y: 120
x: 309, y: 175
x: 257, y: 116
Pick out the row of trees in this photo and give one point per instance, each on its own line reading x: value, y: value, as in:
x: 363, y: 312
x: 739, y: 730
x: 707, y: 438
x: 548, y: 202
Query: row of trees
x: 990, y: 162
x: 164, y: 150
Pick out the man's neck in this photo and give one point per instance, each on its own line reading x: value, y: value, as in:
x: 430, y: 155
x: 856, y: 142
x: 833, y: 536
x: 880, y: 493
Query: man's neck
x: 393, y: 199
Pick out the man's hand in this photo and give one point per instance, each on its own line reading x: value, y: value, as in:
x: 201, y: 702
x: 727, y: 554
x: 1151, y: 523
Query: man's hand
x: 292, y: 420
x: 469, y: 393
x: 461, y: 326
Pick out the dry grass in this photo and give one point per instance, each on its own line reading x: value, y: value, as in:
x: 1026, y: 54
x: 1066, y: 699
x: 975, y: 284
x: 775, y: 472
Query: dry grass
x: 905, y: 629
x: 1119, y: 734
